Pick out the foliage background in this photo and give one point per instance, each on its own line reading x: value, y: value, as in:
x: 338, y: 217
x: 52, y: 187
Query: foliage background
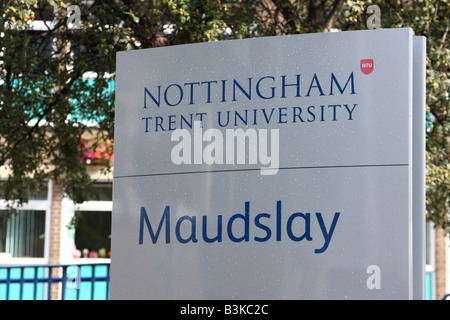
x: 46, y: 105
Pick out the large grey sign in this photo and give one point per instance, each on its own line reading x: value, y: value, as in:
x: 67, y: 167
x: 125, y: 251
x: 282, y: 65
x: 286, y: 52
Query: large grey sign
x: 269, y: 168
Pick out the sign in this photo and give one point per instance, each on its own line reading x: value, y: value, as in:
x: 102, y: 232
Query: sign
x: 270, y: 168
x: 367, y: 66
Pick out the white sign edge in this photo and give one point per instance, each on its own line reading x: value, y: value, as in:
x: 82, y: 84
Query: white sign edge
x: 419, y: 166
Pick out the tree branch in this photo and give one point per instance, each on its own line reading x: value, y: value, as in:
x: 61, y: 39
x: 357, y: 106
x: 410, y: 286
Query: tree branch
x: 338, y: 5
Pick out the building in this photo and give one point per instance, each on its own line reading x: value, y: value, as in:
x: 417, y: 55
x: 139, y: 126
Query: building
x: 50, y: 229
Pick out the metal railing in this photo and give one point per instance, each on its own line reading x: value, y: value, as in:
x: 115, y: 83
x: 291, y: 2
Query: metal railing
x: 85, y: 281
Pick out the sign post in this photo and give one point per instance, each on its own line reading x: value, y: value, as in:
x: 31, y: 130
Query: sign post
x: 271, y: 168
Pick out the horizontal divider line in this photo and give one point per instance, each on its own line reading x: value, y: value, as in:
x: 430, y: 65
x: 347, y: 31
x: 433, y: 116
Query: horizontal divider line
x: 263, y: 168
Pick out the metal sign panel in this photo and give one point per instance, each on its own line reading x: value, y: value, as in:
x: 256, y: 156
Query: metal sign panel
x: 269, y: 168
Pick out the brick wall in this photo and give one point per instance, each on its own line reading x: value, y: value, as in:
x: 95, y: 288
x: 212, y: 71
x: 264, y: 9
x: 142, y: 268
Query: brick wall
x: 55, y: 224
x: 441, y: 270
x: 55, y: 235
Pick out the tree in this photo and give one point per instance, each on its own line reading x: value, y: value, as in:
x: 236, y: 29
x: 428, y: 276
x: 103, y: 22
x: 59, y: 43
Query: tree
x: 47, y: 105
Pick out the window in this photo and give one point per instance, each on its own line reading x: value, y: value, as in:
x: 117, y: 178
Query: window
x: 93, y: 232
x: 22, y: 234
x: 102, y: 192
x: 430, y: 267
x: 46, y: 13
x: 41, y: 193
x: 88, y: 225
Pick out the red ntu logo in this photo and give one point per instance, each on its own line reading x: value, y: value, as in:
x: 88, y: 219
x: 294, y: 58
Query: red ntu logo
x: 366, y: 66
